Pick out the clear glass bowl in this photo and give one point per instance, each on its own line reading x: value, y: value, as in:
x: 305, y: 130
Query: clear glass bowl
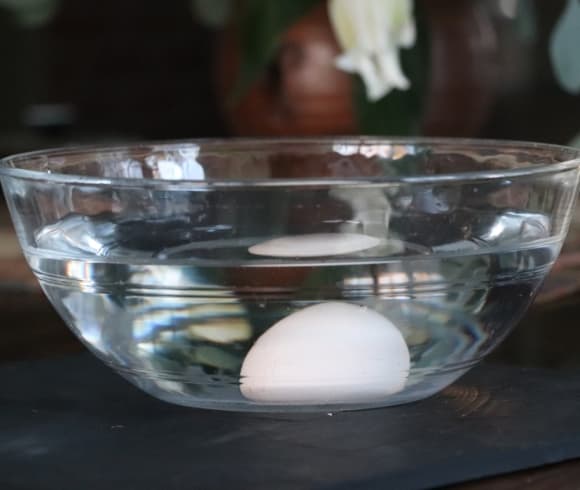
x: 282, y: 275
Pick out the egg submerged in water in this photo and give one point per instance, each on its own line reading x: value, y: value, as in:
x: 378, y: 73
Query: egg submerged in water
x: 327, y: 353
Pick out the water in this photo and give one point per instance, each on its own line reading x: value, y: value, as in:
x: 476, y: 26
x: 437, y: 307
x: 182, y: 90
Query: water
x: 177, y: 316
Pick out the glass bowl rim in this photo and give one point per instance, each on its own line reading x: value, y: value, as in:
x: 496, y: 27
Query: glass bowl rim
x: 9, y: 165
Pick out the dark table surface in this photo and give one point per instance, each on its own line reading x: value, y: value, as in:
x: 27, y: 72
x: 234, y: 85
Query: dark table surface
x: 67, y: 422
x: 72, y: 423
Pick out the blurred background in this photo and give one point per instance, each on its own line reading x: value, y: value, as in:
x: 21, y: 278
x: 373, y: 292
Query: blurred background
x: 76, y: 72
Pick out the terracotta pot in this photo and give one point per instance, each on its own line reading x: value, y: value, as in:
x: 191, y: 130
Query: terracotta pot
x: 303, y: 94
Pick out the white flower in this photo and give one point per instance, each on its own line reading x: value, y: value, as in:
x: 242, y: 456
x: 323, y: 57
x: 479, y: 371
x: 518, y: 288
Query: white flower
x: 371, y: 32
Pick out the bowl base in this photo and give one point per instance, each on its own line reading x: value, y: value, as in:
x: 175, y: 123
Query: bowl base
x: 184, y: 394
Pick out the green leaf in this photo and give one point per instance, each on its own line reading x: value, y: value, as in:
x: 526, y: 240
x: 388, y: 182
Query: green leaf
x: 565, y: 48
x: 526, y: 22
x: 399, y: 112
x: 262, y: 24
x: 32, y: 13
x: 212, y: 13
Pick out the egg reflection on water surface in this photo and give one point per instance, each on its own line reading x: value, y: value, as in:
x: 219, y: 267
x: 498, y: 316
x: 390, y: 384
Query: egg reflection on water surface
x: 315, y: 245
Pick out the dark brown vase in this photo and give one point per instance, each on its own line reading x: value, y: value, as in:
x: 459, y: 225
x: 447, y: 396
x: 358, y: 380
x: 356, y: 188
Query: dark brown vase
x: 303, y: 94
x: 464, y: 71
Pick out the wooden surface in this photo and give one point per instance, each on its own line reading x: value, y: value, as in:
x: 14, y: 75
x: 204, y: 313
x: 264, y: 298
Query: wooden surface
x: 32, y: 329
x: 563, y: 476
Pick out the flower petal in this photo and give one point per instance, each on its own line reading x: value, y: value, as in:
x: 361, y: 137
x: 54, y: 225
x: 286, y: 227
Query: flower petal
x: 390, y: 69
x: 370, y: 32
x: 344, y: 28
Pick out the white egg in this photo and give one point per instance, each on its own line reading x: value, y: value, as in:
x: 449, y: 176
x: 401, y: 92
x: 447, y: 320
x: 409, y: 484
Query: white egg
x: 315, y: 245
x: 328, y: 353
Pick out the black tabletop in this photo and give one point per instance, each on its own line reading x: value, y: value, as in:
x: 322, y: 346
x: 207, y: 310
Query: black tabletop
x: 72, y: 423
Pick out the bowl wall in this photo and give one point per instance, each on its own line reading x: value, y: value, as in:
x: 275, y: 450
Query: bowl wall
x: 292, y: 275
